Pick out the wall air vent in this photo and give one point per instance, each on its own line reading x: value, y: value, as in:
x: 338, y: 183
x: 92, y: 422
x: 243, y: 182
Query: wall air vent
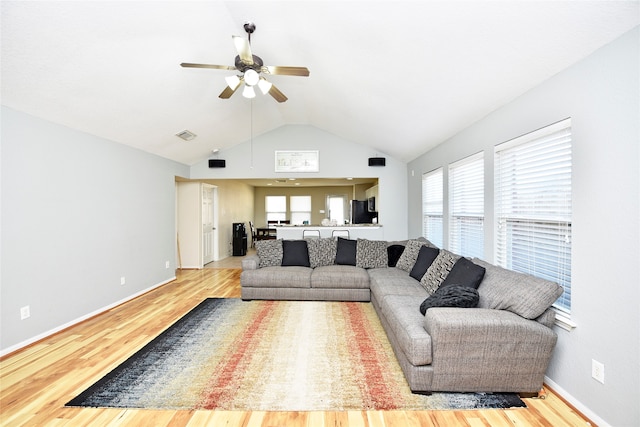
x: 186, y: 135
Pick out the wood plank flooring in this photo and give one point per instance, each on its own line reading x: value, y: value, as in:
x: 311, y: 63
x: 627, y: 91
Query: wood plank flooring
x: 38, y: 380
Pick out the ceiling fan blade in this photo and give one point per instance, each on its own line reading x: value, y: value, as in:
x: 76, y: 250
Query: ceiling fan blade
x: 227, y: 92
x: 287, y: 71
x: 244, y: 49
x: 217, y: 67
x: 277, y: 95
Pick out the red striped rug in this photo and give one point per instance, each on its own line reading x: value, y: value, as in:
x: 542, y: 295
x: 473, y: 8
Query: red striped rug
x: 230, y: 354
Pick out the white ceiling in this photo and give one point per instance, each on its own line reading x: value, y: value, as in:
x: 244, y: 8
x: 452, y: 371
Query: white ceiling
x: 400, y: 77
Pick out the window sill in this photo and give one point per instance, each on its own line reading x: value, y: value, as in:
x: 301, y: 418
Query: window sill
x: 564, y: 321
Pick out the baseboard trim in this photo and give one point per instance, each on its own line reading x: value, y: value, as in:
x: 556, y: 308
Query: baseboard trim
x: 578, y: 406
x: 20, y: 346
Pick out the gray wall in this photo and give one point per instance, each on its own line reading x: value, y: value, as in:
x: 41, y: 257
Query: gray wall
x: 601, y: 95
x: 339, y: 158
x: 78, y: 213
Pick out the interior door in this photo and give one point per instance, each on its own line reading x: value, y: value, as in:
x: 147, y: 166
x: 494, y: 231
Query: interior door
x: 208, y: 224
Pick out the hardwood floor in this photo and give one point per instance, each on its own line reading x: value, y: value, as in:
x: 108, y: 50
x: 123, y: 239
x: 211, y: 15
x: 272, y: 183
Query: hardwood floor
x: 37, y: 381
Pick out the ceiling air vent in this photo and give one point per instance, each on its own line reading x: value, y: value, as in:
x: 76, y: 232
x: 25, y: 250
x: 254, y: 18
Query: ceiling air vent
x: 186, y: 135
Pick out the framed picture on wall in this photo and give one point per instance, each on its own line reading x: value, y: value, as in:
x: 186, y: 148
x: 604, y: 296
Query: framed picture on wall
x: 298, y: 161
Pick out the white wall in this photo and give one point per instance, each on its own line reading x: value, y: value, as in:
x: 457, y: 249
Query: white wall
x: 339, y: 158
x: 78, y: 213
x: 602, y: 95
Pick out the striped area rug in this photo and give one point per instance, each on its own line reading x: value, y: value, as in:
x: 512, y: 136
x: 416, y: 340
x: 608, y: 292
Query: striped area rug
x: 230, y: 354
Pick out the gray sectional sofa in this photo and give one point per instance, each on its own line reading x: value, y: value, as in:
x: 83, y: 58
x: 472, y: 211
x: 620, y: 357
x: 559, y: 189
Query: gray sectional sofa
x: 454, y: 324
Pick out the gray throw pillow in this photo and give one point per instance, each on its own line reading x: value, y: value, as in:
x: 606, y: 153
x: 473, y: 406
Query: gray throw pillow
x: 371, y: 254
x: 520, y: 293
x: 269, y: 252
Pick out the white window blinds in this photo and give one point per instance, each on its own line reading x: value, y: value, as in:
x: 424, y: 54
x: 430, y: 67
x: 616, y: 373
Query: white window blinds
x: 300, y: 207
x: 466, y: 206
x: 533, y: 206
x: 276, y: 208
x: 432, y: 206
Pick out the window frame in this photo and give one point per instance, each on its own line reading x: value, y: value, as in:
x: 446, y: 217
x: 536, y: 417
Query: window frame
x: 433, y: 206
x: 535, y: 170
x: 466, y: 206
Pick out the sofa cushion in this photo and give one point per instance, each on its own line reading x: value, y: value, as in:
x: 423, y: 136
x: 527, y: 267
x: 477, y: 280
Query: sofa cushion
x: 451, y: 296
x: 277, y: 277
x: 295, y: 253
x: 322, y: 251
x: 346, y: 251
x: 393, y: 281
x: 371, y: 253
x: 269, y: 252
x: 523, y: 294
x: 339, y: 277
x: 426, y: 256
x: 404, y: 319
x: 438, y: 270
x: 393, y: 253
x: 465, y: 272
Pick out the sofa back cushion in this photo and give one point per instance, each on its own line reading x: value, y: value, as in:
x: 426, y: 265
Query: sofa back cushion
x: 523, y: 294
x: 295, y: 253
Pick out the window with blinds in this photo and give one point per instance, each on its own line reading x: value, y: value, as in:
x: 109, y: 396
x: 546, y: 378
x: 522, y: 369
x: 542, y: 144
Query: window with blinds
x: 432, y: 206
x: 466, y: 206
x: 300, y: 207
x: 533, y: 206
x: 276, y: 208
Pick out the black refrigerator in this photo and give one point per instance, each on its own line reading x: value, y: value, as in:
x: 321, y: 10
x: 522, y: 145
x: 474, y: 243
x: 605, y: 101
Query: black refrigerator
x: 360, y: 212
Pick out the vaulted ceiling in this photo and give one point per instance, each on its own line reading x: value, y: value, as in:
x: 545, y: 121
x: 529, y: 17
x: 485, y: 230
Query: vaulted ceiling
x: 398, y: 76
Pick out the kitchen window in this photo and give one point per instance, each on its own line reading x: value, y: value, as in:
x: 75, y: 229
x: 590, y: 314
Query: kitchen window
x: 300, y: 207
x: 276, y: 208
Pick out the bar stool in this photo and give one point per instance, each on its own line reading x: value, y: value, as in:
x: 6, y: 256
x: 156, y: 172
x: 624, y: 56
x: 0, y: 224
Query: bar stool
x: 311, y: 234
x: 340, y: 233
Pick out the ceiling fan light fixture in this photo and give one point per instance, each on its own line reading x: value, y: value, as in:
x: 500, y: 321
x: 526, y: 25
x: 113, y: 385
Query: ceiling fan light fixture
x: 233, y: 82
x: 248, y: 92
x: 264, y: 86
x: 251, y: 77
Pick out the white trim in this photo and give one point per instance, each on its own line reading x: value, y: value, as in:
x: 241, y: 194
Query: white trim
x: 79, y: 319
x: 576, y: 403
x: 563, y: 320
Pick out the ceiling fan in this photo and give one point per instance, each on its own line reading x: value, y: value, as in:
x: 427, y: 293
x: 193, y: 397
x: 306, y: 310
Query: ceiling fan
x: 252, y: 68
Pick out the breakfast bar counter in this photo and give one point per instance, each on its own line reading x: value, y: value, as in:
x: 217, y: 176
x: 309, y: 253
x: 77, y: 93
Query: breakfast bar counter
x: 351, y: 231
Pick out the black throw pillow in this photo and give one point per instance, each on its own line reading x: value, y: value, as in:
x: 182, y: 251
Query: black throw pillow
x: 423, y: 262
x: 394, y: 252
x: 451, y: 296
x: 295, y: 253
x: 466, y: 273
x: 346, y: 251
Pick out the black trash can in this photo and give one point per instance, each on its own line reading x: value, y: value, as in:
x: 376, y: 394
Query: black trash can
x: 239, y: 239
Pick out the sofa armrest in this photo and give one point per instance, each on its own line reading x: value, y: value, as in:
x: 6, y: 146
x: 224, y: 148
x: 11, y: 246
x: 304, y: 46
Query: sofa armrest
x: 250, y: 262
x: 471, y: 345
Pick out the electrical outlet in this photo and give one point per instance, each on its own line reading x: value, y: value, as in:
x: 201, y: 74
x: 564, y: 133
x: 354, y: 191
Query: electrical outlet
x: 167, y: 264
x: 25, y: 312
x: 122, y: 280
x: 597, y: 371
